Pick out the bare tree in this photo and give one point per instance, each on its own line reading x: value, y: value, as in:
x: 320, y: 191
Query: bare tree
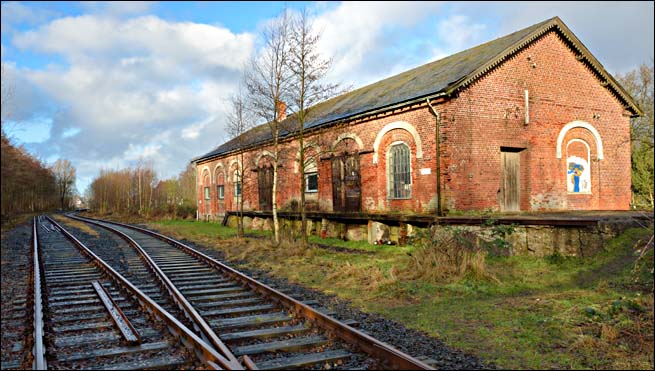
x: 308, y: 68
x: 267, y: 80
x: 65, y: 179
x: 239, y: 121
x: 187, y: 186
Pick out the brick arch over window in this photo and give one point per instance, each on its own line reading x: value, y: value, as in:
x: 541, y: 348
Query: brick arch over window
x: 204, y: 170
x: 262, y: 154
x: 232, y: 164
x: 219, y: 168
x: 220, y: 181
x: 343, y: 136
x: 397, y: 125
x: 580, y: 124
x: 308, y: 150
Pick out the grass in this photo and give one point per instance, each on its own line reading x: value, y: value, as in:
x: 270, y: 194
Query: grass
x: 9, y: 223
x: 79, y: 225
x: 553, y: 312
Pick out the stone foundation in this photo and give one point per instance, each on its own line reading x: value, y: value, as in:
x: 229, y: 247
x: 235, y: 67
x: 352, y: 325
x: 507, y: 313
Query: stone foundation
x: 532, y: 240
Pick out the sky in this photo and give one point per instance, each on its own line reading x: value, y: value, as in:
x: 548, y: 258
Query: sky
x: 108, y: 85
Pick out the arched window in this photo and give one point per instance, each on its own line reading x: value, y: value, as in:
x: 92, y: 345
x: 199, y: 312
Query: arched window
x: 220, y: 186
x: 399, y: 176
x: 578, y: 171
x: 311, y: 176
x: 220, y: 182
x: 237, y: 183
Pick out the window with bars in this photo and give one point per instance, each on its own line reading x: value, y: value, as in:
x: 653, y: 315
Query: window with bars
x: 221, y: 191
x: 399, y: 176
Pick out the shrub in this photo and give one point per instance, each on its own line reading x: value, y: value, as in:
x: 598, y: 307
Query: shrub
x: 452, y: 253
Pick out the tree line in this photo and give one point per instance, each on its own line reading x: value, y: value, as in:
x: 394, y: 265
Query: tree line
x: 28, y: 185
x: 639, y: 83
x: 137, y: 191
x: 31, y: 186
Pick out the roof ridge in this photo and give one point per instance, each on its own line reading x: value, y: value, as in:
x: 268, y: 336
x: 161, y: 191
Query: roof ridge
x: 441, y: 76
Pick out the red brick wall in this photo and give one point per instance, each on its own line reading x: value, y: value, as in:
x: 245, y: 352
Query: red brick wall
x: 490, y: 114
x: 487, y: 115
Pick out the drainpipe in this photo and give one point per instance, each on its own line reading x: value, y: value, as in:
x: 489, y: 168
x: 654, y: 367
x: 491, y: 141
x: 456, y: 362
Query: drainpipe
x: 197, y: 194
x: 438, y: 155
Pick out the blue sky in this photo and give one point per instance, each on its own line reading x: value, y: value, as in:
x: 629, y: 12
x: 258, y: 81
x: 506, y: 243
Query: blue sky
x: 112, y: 84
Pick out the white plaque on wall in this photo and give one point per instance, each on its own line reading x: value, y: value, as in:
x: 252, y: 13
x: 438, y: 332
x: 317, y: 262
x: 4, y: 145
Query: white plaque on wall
x: 426, y: 171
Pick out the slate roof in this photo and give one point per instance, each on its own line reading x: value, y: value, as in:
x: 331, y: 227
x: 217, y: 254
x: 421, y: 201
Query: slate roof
x: 439, y: 78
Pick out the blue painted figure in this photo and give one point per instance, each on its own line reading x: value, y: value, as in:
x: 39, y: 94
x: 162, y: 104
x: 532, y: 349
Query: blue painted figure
x: 576, y: 171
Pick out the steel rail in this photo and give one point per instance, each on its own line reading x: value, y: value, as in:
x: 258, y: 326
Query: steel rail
x: 38, y: 351
x: 189, y: 311
x: 395, y: 358
x: 206, y: 353
x: 130, y: 334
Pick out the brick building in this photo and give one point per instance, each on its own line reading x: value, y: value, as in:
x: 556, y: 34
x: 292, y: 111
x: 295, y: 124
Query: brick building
x: 530, y: 121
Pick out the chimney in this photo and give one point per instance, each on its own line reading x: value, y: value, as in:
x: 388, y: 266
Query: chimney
x: 281, y: 110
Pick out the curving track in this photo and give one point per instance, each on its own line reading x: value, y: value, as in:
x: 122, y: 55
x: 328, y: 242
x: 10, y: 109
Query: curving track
x: 264, y: 328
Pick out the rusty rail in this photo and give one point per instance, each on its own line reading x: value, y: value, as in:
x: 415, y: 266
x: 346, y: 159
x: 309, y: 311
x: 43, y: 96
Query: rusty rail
x: 38, y: 351
x: 395, y: 358
x: 130, y: 334
x: 199, y: 323
x: 206, y: 353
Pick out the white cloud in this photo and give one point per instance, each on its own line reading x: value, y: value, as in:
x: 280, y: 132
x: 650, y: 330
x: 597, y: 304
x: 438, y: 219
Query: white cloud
x: 357, y: 34
x: 129, y: 84
x: 198, y: 48
x: 118, y: 8
x: 14, y: 13
x: 139, y: 152
x: 457, y: 33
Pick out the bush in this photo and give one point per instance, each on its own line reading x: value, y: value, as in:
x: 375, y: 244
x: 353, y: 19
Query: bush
x: 186, y: 211
x: 449, y: 254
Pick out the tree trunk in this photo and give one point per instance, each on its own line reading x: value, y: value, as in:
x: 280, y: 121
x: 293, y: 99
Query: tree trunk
x: 276, y: 224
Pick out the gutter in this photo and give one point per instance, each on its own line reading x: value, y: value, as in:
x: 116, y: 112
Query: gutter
x: 437, y: 121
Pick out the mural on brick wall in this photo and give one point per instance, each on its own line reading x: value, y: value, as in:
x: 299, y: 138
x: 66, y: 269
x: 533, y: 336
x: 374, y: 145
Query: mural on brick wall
x: 578, y: 178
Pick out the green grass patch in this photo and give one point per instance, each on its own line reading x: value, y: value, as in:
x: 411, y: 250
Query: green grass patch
x: 551, y: 312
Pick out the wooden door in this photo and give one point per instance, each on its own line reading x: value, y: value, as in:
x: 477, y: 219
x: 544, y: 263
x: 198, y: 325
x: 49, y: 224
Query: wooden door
x: 265, y: 185
x: 510, y: 188
x: 346, y: 183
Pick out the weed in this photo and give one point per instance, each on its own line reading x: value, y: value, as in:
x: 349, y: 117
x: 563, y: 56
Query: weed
x: 76, y: 224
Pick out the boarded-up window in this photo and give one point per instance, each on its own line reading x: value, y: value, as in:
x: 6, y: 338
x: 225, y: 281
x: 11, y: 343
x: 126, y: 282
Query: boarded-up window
x: 265, y: 187
x: 346, y: 183
x: 510, y: 187
x: 399, y: 175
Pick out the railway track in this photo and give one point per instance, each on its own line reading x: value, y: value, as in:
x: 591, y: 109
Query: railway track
x: 245, y: 320
x: 93, y: 318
